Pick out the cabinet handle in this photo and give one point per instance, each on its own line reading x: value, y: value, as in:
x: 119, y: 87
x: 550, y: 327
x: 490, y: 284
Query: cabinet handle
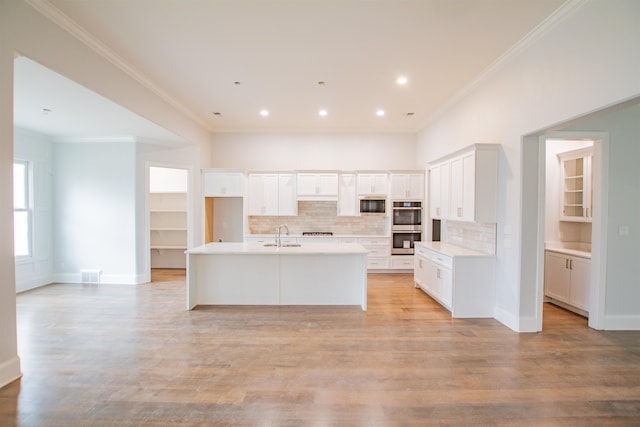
x: 459, y: 211
x: 438, y: 211
x: 438, y: 274
x: 570, y: 264
x: 566, y: 263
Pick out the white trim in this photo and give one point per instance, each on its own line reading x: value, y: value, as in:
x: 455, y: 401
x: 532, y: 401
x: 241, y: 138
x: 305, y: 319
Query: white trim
x: 10, y: 371
x: 56, y: 16
x: 507, y: 319
x: 621, y: 323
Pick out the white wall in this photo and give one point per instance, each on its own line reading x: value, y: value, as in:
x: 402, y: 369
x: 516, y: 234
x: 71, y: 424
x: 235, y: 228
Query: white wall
x: 589, y: 60
x: 94, y: 211
x: 162, y: 179
x: 292, y: 151
x: 37, y: 270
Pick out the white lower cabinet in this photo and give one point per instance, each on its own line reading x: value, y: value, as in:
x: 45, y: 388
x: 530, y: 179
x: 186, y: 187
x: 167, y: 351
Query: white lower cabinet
x: 461, y: 281
x: 567, y: 279
x: 379, y: 251
x: 402, y: 262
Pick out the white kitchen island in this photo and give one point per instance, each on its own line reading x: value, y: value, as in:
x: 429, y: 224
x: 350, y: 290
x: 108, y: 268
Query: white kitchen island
x: 258, y: 274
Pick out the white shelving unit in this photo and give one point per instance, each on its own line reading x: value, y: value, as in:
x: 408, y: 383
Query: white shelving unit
x: 168, y: 226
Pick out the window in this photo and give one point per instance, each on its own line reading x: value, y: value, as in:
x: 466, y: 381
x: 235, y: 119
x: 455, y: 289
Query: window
x: 21, y: 209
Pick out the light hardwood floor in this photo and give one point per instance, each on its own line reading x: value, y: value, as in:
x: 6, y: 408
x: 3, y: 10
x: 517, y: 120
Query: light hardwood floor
x: 99, y: 355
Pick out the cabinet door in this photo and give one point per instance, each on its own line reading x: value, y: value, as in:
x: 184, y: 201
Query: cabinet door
x: 408, y: 186
x: 415, y: 186
x: 287, y: 200
x: 307, y: 184
x: 223, y: 184
x: 420, y: 268
x: 463, y: 187
x: 327, y: 184
x: 435, y: 175
x: 445, y: 277
x: 580, y: 282
x: 372, y: 184
x: 263, y: 194
x: 347, y: 195
x: 557, y: 276
x: 576, y: 186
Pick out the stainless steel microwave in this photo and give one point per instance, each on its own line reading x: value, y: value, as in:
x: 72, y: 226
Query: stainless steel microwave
x: 372, y: 205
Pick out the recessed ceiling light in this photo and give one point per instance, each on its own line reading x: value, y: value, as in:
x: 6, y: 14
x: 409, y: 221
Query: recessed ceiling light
x: 321, y: 83
x: 217, y: 113
x: 323, y: 112
x: 46, y: 111
x: 409, y: 114
x: 236, y: 83
x: 264, y: 113
x: 379, y: 112
x: 402, y: 80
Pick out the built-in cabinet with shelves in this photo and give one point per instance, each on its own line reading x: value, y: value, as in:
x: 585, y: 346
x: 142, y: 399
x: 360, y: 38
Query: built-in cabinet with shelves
x: 347, y: 195
x: 168, y: 229
x: 576, y: 185
x: 223, y: 183
x: 317, y: 185
x: 407, y: 186
x: 373, y: 183
x: 465, y: 185
x: 567, y: 280
x: 461, y: 280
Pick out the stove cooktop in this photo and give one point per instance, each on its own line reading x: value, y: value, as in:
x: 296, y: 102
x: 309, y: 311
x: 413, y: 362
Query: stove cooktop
x: 317, y: 233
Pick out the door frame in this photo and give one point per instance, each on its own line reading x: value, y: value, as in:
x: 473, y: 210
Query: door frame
x: 597, y: 292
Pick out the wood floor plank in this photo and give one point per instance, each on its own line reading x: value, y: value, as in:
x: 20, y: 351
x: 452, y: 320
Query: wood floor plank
x: 100, y: 355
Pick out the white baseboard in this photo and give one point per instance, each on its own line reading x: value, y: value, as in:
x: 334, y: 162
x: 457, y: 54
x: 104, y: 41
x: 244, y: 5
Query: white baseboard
x: 621, y: 323
x: 509, y: 320
x: 9, y: 371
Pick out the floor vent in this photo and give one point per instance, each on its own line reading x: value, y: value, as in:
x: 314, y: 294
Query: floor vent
x: 90, y: 276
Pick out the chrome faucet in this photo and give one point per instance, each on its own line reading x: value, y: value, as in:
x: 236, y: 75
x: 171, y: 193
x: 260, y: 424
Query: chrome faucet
x: 278, y: 239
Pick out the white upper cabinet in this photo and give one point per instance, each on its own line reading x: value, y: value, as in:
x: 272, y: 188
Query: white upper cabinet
x: 373, y: 184
x: 347, y: 195
x: 407, y: 186
x: 317, y: 186
x: 287, y: 200
x: 439, y: 180
x: 576, y: 185
x: 470, y: 191
x: 223, y: 183
x: 263, y: 194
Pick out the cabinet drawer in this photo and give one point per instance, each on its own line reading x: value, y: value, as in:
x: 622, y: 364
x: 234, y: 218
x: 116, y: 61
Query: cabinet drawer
x: 403, y: 261
x: 372, y: 241
x: 374, y: 263
x: 377, y: 251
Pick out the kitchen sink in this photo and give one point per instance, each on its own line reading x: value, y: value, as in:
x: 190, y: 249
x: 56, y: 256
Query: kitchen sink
x: 269, y: 245
x: 284, y: 245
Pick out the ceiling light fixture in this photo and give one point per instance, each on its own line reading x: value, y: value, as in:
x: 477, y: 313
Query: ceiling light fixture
x: 323, y: 112
x: 402, y: 80
x: 46, y: 111
x: 217, y: 113
x: 264, y: 113
x: 379, y: 112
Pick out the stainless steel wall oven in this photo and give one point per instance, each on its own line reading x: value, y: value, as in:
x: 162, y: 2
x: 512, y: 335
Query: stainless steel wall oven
x: 406, y: 227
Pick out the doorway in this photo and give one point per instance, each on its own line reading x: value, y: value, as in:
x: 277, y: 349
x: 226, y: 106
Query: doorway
x: 168, y: 217
x: 538, y: 211
x: 568, y: 188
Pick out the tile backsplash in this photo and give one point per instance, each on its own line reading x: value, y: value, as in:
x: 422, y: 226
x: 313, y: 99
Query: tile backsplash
x: 471, y: 235
x: 319, y: 216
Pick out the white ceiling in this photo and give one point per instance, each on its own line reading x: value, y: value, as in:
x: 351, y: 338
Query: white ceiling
x: 278, y: 50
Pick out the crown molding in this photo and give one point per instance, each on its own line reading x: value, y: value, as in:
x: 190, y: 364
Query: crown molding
x: 59, y: 18
x: 558, y: 16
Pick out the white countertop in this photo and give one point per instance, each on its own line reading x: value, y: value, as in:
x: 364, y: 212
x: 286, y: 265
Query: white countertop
x: 582, y: 250
x: 297, y: 235
x: 451, y: 250
x: 260, y: 249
